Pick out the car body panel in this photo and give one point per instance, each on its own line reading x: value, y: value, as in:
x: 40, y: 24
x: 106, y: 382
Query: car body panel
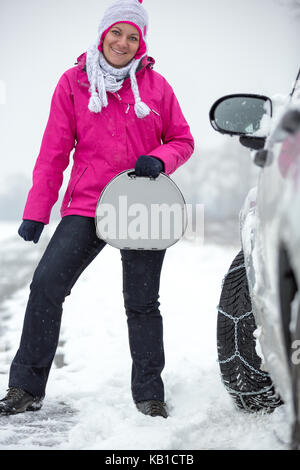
x: 268, y: 219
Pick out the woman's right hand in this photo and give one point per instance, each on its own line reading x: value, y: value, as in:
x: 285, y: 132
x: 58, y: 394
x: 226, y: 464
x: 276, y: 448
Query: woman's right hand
x: 31, y: 230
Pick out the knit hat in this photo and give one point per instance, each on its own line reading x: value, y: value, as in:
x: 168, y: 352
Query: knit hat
x: 121, y: 11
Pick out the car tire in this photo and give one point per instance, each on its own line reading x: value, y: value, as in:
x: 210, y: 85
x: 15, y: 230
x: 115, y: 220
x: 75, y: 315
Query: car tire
x: 250, y: 387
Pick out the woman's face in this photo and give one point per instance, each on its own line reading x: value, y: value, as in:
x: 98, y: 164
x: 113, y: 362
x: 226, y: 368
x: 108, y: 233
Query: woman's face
x: 120, y: 44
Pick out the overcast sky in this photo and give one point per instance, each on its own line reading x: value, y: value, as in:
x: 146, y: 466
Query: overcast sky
x: 204, y: 48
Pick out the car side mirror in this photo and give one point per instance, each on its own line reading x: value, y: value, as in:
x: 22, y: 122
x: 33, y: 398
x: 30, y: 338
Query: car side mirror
x: 245, y: 115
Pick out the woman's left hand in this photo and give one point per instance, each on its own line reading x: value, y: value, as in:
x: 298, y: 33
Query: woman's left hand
x: 146, y: 165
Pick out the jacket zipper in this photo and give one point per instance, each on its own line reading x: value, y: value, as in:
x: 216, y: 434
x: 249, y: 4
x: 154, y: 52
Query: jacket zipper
x: 153, y: 110
x: 72, y: 192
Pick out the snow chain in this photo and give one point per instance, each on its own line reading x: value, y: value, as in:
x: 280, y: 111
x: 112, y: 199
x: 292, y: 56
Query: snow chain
x: 236, y: 352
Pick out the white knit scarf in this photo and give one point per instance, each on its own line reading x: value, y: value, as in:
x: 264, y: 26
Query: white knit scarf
x: 103, y: 77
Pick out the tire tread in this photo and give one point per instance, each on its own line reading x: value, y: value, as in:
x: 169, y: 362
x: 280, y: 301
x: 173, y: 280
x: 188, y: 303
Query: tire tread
x: 251, y: 389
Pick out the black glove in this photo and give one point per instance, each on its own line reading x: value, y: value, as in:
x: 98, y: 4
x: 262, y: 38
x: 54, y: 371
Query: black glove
x: 31, y: 230
x: 148, y: 166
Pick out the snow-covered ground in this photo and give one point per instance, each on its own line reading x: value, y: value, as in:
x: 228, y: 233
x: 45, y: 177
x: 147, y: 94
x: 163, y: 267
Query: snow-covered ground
x: 88, y: 403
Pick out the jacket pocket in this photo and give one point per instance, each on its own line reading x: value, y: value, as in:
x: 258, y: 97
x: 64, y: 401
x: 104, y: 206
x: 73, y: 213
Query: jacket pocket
x: 72, y: 186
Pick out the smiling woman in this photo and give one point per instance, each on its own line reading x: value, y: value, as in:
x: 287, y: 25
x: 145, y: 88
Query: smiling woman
x: 119, y: 114
x: 120, y: 44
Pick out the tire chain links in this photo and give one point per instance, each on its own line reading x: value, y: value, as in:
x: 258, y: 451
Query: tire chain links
x: 237, y: 352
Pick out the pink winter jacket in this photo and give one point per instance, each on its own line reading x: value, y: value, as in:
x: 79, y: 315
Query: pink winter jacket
x: 106, y: 143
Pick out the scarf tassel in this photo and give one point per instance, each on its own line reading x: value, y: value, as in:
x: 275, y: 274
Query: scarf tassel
x: 95, y: 103
x: 141, y: 109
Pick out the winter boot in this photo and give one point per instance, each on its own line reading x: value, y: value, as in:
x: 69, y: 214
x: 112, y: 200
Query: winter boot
x: 17, y: 401
x: 152, y: 408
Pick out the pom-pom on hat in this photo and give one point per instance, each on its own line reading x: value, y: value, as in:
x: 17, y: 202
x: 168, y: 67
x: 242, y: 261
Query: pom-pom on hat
x: 121, y: 11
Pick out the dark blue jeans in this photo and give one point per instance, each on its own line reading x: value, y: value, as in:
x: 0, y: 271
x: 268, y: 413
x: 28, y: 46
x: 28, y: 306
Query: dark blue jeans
x: 71, y: 249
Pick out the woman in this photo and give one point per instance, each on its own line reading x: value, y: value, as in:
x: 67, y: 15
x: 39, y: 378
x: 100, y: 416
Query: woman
x: 118, y: 114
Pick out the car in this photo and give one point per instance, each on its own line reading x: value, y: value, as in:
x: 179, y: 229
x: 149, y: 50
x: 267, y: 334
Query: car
x: 258, y: 326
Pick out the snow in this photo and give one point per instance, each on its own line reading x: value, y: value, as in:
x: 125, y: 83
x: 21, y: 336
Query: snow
x: 88, y: 404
